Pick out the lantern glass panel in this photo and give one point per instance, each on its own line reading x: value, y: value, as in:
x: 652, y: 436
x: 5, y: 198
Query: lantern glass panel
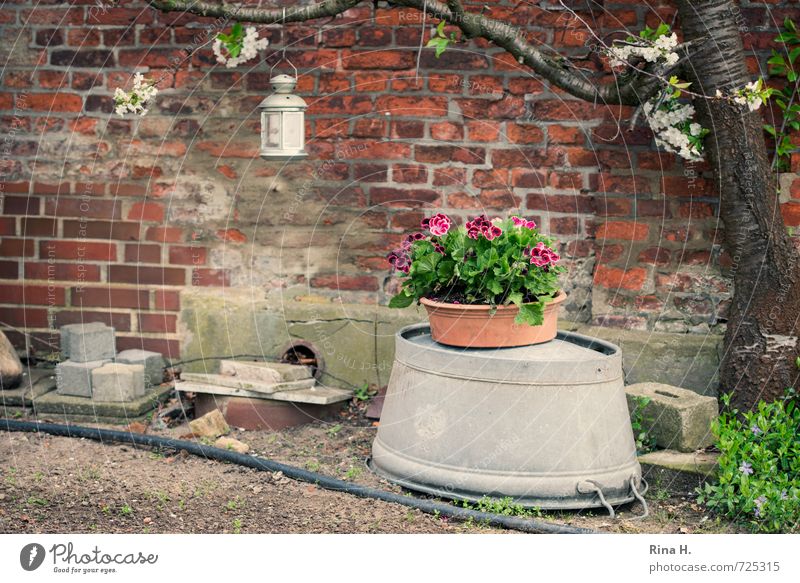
x: 271, y: 130
x: 293, y: 129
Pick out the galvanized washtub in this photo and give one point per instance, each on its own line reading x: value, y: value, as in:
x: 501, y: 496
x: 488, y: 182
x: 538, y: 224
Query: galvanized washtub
x: 547, y: 424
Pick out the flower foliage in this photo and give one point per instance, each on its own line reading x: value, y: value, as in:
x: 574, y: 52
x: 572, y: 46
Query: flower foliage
x: 138, y: 100
x: 759, y: 466
x: 238, y: 46
x: 494, y: 262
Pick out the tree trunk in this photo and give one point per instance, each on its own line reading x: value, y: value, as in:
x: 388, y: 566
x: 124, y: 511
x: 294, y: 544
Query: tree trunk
x: 762, y: 334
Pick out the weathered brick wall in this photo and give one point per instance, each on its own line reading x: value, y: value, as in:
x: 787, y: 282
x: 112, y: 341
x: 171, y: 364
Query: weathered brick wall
x: 108, y: 218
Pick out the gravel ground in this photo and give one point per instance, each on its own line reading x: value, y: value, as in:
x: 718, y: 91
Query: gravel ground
x: 56, y: 484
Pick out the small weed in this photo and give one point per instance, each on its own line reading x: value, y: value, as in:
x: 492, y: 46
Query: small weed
x: 126, y: 510
x: 353, y: 473
x: 37, y: 477
x: 363, y: 393
x: 312, y: 465
x: 106, y: 509
x: 33, y: 500
x: 182, y: 505
x: 237, y: 526
x: 645, y: 442
x: 505, y: 506
x: 334, y: 430
x: 17, y: 415
x: 410, y: 516
x: 234, y: 504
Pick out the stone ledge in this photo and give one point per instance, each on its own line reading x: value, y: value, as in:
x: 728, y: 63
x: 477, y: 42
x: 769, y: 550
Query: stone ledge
x: 53, y: 403
x: 680, y: 473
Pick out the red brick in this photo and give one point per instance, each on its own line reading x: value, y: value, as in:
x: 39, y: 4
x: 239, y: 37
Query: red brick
x: 557, y: 203
x: 565, y: 135
x: 102, y: 230
x: 146, y: 275
x: 72, y: 272
x: 231, y: 236
x: 21, y: 205
x: 630, y: 231
x: 614, y: 278
x: 409, y: 174
x: 78, y: 250
x: 188, y: 255
x: 76, y: 207
x: 109, y: 297
x: 167, y: 300
x: 447, y: 131
x: 119, y: 321
x: 346, y: 282
x: 54, y: 102
x: 8, y: 226
x: 398, y: 197
x: 524, y: 134
x: 165, y: 323
x: 9, y: 270
x: 655, y: 256
x: 164, y: 234
x: 43, y: 295
x: 449, y: 177
x: 380, y: 59
x: 139, y: 253
x: 147, y: 211
x: 24, y: 317
x: 407, y: 105
x: 16, y: 247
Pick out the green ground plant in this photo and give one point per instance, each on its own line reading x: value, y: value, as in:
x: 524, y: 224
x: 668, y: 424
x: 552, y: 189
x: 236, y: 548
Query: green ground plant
x: 645, y: 441
x: 758, y: 483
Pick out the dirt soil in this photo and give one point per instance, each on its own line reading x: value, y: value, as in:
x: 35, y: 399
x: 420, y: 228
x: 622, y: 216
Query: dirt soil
x: 67, y: 485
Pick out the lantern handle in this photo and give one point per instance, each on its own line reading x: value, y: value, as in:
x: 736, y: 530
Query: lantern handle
x: 283, y: 58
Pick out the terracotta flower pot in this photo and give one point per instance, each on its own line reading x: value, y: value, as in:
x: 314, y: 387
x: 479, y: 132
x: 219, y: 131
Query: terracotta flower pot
x: 471, y: 326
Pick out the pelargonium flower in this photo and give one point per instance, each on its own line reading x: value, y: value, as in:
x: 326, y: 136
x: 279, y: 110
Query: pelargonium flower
x: 481, y: 225
x: 520, y: 222
x: 438, y: 224
x: 400, y: 260
x: 438, y: 248
x: 409, y: 240
x: 542, y: 255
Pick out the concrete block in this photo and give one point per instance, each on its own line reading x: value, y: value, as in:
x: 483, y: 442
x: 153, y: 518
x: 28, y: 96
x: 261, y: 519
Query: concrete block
x: 270, y: 372
x: 118, y: 382
x: 677, y: 418
x: 152, y: 362
x: 75, y: 378
x: 87, y: 342
x: 232, y: 444
x: 248, y: 385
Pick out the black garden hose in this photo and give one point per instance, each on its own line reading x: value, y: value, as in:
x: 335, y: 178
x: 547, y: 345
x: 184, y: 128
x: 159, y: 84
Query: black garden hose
x: 326, y: 482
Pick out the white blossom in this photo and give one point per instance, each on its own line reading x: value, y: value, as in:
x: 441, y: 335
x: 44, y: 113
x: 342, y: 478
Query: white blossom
x: 660, y: 50
x: 251, y: 44
x: 138, y: 100
x: 671, y: 125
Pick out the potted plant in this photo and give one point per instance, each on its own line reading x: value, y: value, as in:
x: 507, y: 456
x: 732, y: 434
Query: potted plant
x: 487, y: 284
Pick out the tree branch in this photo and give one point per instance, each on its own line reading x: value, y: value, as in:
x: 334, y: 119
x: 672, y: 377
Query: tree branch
x: 241, y: 13
x: 555, y: 69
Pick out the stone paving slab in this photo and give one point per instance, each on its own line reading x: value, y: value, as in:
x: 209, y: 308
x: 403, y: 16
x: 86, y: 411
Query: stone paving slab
x: 39, y: 382
x: 317, y: 395
x: 271, y: 372
x: 252, y: 386
x: 676, y: 471
x: 74, y: 406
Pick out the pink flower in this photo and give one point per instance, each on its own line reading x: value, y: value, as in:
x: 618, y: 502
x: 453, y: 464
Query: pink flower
x: 438, y: 224
x: 481, y: 225
x: 409, y: 240
x: 520, y: 222
x: 400, y: 260
x: 542, y: 255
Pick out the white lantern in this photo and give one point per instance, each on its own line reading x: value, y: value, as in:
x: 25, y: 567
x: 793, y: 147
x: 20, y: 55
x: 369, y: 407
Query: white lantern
x: 283, y: 121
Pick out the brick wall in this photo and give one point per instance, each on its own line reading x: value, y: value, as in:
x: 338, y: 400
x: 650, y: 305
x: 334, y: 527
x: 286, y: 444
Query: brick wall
x: 109, y: 219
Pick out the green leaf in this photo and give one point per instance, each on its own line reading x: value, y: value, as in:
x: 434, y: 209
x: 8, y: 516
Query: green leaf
x: 401, y: 300
x: 531, y: 314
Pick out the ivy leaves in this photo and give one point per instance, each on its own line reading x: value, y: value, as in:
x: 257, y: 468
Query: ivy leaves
x: 440, y: 40
x: 785, y: 64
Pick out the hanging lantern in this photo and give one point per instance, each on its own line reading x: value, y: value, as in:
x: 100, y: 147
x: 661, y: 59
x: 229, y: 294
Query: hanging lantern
x: 283, y: 120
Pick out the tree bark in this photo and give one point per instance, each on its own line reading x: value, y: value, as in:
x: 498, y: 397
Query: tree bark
x: 761, y: 342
